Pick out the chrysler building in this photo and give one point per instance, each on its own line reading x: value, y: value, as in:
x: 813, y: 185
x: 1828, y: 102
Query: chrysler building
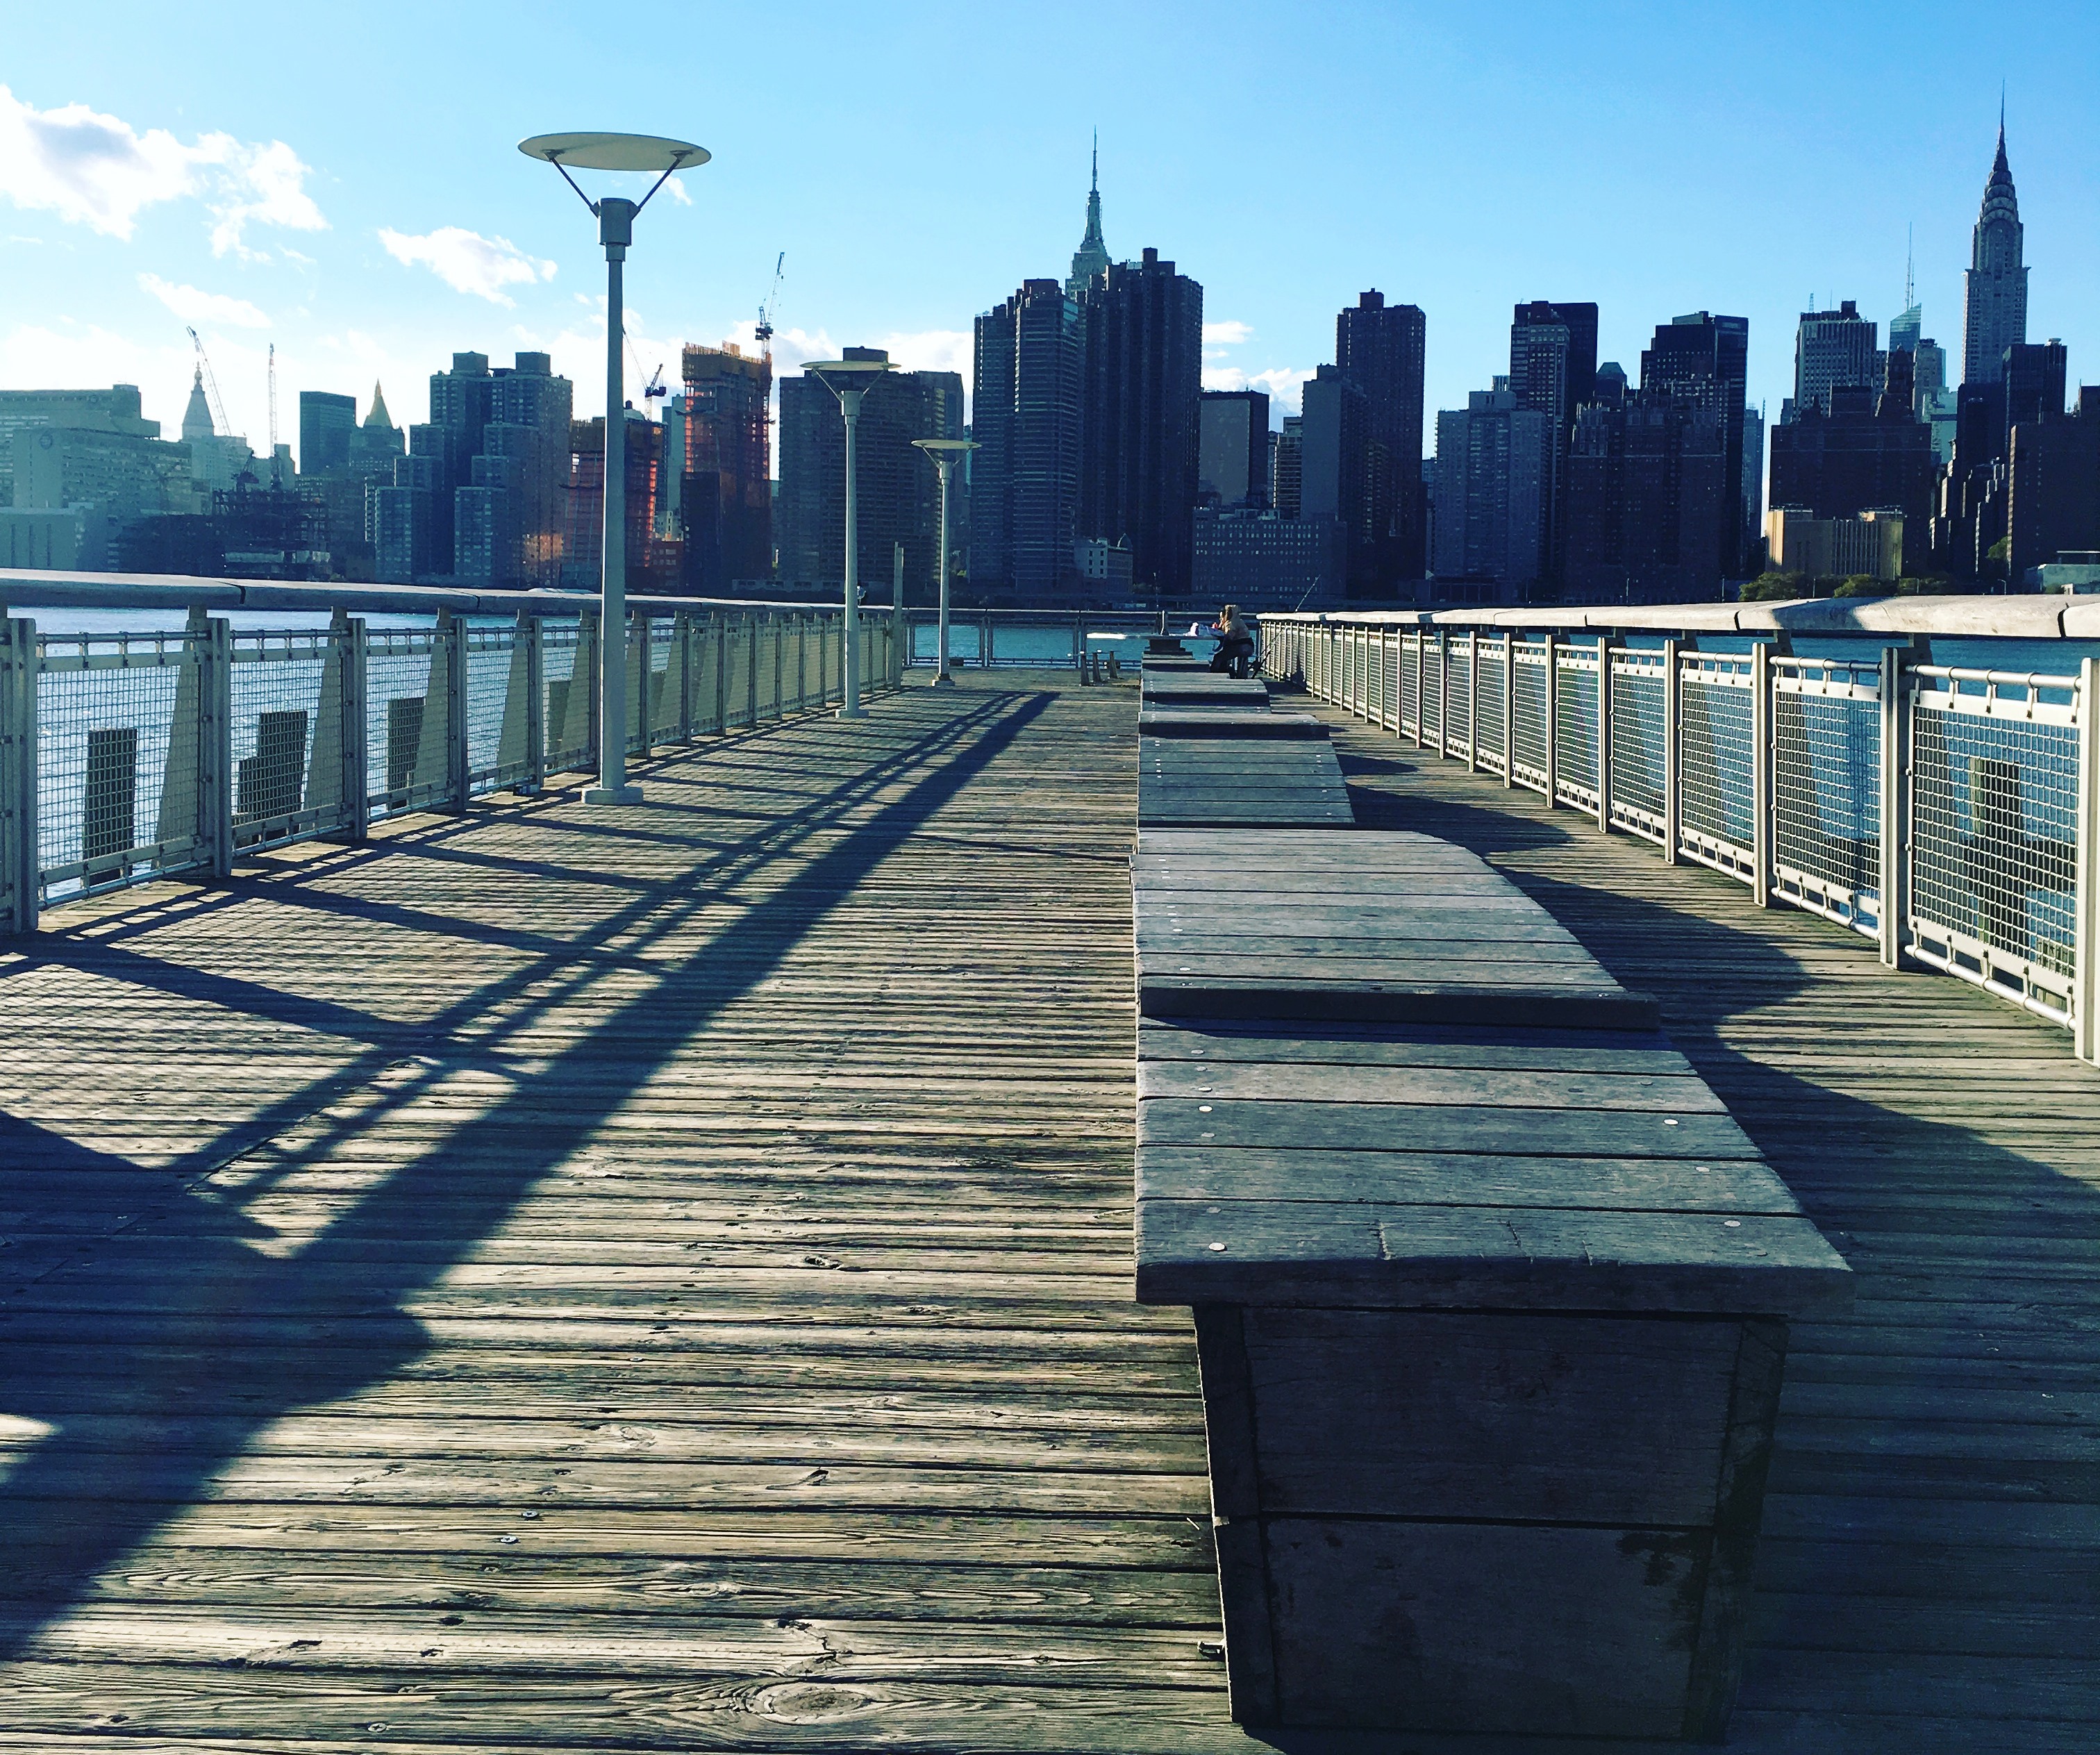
x: 1997, y: 278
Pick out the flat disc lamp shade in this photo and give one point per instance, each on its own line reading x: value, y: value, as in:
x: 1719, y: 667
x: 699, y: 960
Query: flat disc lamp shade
x: 614, y: 152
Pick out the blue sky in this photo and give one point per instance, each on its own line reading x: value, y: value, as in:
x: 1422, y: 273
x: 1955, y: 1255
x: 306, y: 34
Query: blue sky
x: 342, y: 181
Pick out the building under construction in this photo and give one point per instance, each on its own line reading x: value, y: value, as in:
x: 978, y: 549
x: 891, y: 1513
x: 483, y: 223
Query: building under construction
x: 717, y: 442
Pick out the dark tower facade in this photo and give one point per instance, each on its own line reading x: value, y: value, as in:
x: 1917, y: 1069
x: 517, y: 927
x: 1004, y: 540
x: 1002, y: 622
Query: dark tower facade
x: 1996, y: 283
x: 1031, y: 356
x: 1553, y: 372
x: 1380, y: 348
x: 1092, y: 257
x: 1140, y: 443
x: 1703, y: 362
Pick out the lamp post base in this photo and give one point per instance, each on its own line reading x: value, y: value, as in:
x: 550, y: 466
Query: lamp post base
x: 853, y: 712
x: 943, y: 680
x: 612, y: 794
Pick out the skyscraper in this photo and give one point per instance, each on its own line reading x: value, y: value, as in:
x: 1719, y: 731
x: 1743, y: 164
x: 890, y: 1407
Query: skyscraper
x: 896, y: 491
x: 1031, y: 357
x: 1649, y: 494
x: 1492, y: 470
x: 1233, y: 454
x: 1143, y: 387
x: 1380, y: 348
x: 720, y: 439
x: 1336, y: 480
x: 1996, y: 283
x: 1832, y: 350
x: 326, y: 422
x: 1553, y: 372
x: 1092, y: 257
x: 1703, y: 362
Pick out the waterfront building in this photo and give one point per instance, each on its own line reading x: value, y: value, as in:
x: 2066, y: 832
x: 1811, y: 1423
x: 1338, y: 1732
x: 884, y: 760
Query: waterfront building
x: 509, y: 515
x: 1028, y: 366
x: 1995, y: 286
x: 1553, y: 372
x: 1493, y: 486
x: 1861, y: 453
x: 1380, y: 348
x: 1104, y: 569
x: 1703, y: 362
x: 897, y: 493
x: 1232, y: 448
x: 1753, y: 484
x: 1289, y: 471
x: 1263, y: 560
x: 1335, y: 475
x: 2053, y: 500
x: 1652, y: 498
x: 717, y: 445
x: 1870, y: 545
x: 1832, y: 350
x: 327, y: 423
x: 1141, y: 389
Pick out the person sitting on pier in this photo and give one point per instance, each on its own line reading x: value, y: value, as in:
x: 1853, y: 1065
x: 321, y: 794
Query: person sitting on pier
x: 1235, y: 637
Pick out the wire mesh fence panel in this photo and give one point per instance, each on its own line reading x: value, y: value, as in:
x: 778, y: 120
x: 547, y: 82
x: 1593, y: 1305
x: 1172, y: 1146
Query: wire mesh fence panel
x: 1717, y: 784
x: 1376, y: 696
x: 1411, y: 693
x: 1575, y: 726
x: 1640, y: 705
x: 567, y: 711
x: 490, y: 649
x: 739, y: 672
x: 666, y: 647
x: 1432, y: 691
x: 767, y: 630
x: 286, y: 693
x: 1827, y: 790
x: 1487, y: 717
x: 118, y: 721
x: 405, y: 735
x: 1458, y: 699
x: 1993, y: 832
x: 1527, y: 768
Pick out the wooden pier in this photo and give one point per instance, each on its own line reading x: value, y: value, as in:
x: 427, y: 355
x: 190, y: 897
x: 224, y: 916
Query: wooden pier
x: 560, y: 1279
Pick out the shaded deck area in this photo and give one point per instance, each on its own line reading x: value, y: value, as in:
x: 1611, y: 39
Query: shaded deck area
x: 563, y: 1279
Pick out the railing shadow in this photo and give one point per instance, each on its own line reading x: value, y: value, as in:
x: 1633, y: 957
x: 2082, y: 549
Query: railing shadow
x: 130, y: 1447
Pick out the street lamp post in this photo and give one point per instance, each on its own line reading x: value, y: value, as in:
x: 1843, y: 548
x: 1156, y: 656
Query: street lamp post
x: 849, y: 379
x: 615, y: 231
x: 946, y: 453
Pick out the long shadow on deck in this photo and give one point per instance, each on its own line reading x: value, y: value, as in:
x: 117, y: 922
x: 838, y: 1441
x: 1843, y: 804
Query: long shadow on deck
x: 129, y: 1450
x: 1887, y: 1502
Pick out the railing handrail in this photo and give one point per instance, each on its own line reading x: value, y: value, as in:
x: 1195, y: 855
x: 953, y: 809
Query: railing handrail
x: 2027, y: 617
x: 25, y: 587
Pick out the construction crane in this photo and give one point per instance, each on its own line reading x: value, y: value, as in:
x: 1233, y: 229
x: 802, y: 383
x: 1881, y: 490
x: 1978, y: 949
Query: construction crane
x: 654, y: 387
x: 276, y: 463
x: 211, y: 385
x: 764, y: 331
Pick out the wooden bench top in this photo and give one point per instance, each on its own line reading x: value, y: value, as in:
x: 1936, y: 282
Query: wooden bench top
x: 1178, y: 689
x: 1185, y: 720
x: 1280, y: 783
x: 1428, y: 1167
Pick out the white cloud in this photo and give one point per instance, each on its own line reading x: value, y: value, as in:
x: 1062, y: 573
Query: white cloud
x: 675, y: 189
x: 932, y: 350
x: 97, y: 170
x: 1227, y: 334
x: 1283, y: 383
x: 194, y: 306
x: 468, y: 262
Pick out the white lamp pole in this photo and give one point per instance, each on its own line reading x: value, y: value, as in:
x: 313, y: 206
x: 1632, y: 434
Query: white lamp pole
x: 946, y: 453
x: 848, y: 379
x: 615, y: 231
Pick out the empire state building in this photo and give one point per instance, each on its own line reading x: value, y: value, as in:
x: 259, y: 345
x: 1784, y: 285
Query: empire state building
x: 1997, y: 278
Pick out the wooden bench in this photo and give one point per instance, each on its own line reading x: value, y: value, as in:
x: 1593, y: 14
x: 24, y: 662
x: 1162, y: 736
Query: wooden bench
x: 1207, y: 689
x: 1491, y: 1295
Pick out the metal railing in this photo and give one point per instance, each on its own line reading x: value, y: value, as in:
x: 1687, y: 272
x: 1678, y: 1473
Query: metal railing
x: 127, y: 758
x: 1949, y: 815
x: 1022, y: 639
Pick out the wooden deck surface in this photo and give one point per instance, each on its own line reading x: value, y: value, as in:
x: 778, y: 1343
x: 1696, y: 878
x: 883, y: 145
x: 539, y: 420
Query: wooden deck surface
x: 562, y: 1279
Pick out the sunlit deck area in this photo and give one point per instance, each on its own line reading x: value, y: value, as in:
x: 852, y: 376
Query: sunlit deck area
x: 566, y: 1279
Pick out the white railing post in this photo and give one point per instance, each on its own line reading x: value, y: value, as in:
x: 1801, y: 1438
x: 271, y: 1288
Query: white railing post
x: 1421, y: 670
x: 458, y: 785
x: 1672, y: 752
x: 1762, y: 802
x: 18, y: 775
x: 2085, y: 901
x: 215, y: 742
x: 780, y: 659
x: 1509, y: 709
x: 850, y: 664
x: 1604, y: 733
x: 1895, y: 812
x: 1552, y: 720
x: 1443, y: 691
x: 1472, y: 700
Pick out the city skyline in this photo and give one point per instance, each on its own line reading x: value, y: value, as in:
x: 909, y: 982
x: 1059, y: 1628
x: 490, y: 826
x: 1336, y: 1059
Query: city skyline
x: 263, y: 219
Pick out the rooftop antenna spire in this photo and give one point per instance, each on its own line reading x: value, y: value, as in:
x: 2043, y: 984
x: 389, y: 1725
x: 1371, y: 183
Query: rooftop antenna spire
x: 1910, y: 265
x: 1097, y: 157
